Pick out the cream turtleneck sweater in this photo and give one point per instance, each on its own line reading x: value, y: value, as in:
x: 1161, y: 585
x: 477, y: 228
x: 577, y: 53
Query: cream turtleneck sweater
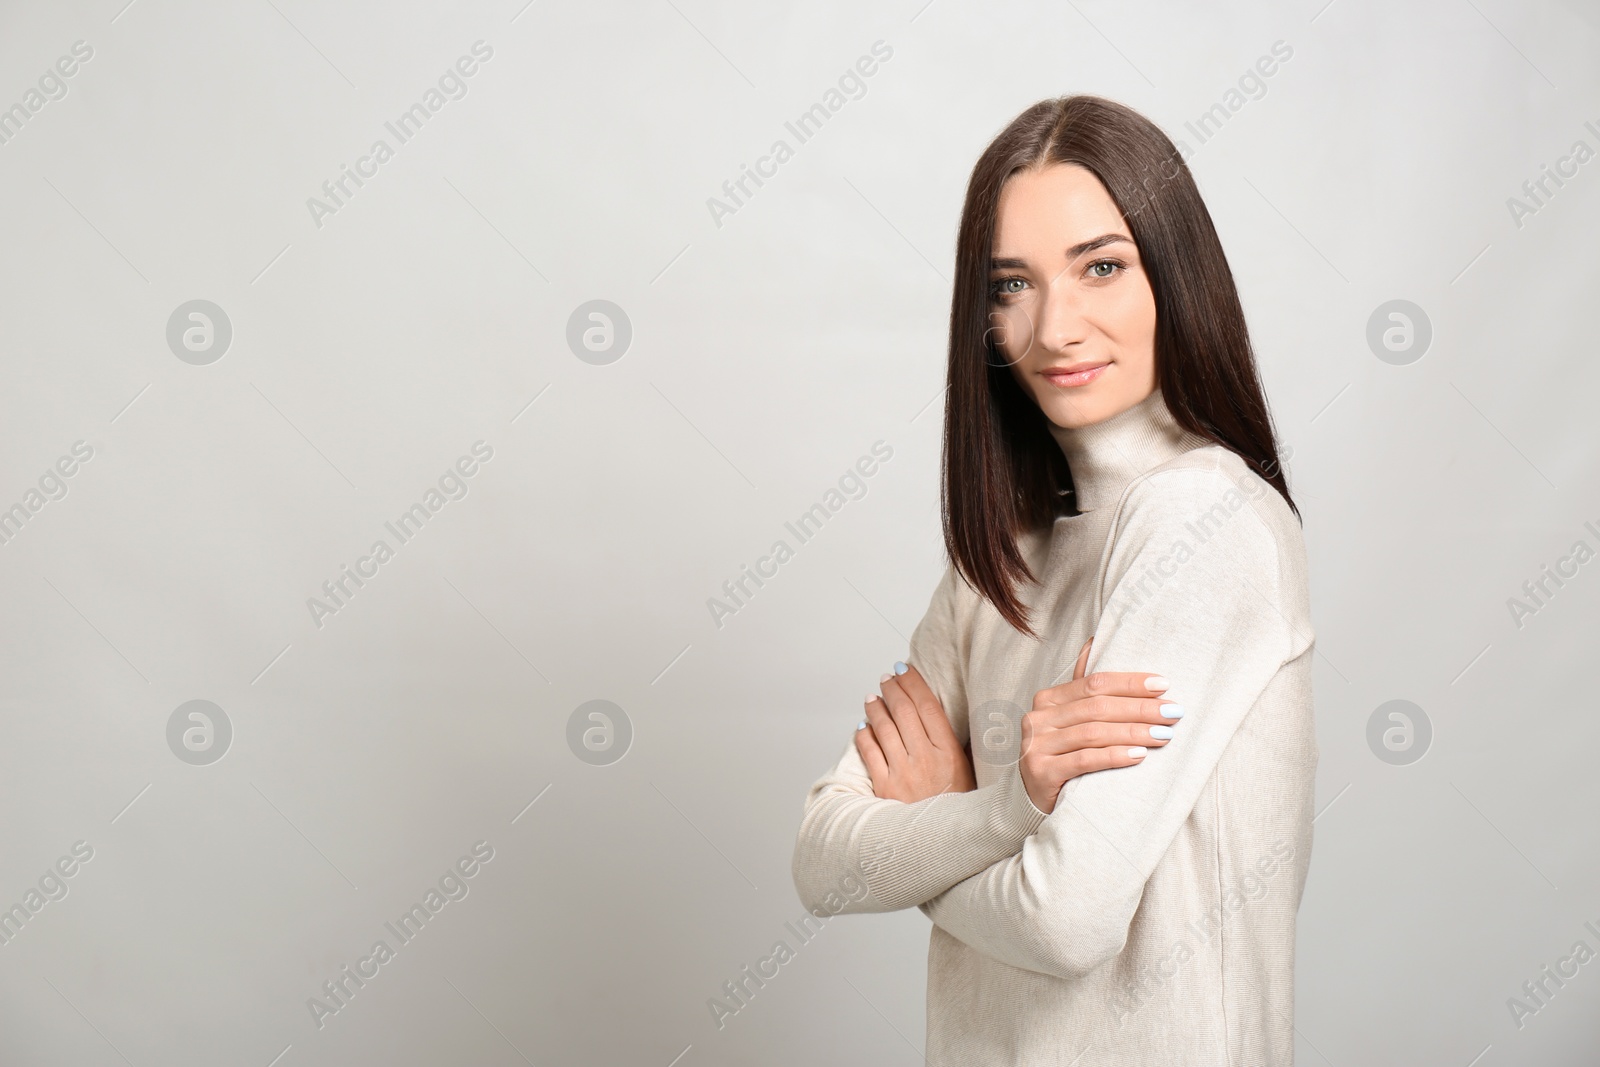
x: 1150, y: 917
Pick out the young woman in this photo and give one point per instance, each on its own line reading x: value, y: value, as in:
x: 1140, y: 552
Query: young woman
x: 1095, y: 775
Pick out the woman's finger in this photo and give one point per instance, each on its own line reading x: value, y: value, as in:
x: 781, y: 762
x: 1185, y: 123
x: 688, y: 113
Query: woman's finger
x: 1103, y: 683
x: 884, y: 730
x: 1108, y: 709
x: 872, y: 755
x: 907, y: 717
x: 1088, y: 760
x: 1092, y: 735
x: 934, y: 720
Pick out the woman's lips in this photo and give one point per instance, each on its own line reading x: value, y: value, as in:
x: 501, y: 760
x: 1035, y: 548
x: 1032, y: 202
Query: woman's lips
x: 1067, y: 379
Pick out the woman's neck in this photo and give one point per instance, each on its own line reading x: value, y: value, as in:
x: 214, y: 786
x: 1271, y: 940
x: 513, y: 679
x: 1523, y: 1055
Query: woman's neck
x: 1105, y: 456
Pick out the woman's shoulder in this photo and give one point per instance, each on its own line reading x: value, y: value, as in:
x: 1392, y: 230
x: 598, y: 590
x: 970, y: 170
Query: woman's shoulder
x: 1212, y: 495
x: 1208, y: 482
x: 1211, y: 529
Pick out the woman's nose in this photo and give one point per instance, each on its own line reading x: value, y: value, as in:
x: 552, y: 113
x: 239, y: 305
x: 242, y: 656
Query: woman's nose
x: 1060, y: 323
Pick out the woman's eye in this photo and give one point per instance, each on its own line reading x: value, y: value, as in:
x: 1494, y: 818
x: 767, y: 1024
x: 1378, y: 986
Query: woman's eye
x: 1110, y: 266
x: 1003, y: 287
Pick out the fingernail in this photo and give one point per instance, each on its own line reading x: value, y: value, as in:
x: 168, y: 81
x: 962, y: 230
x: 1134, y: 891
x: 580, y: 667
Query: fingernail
x: 1137, y: 752
x: 863, y: 726
x: 1172, y: 711
x: 1161, y: 733
x: 885, y: 678
x: 900, y: 668
x: 1155, y: 682
x: 870, y: 698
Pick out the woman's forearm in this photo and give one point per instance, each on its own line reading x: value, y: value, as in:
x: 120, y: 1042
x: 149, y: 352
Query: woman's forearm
x: 904, y: 854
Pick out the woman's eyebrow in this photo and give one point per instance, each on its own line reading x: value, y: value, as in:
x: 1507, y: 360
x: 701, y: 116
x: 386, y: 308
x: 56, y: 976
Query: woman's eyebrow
x: 1074, y: 252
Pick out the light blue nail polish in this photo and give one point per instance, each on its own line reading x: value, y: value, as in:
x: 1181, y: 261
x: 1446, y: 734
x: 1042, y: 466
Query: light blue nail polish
x: 1161, y: 733
x: 1172, y: 711
x: 900, y: 668
x: 863, y: 726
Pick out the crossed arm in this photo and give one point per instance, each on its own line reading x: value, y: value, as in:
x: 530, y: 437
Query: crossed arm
x: 907, y: 846
x: 1053, y: 889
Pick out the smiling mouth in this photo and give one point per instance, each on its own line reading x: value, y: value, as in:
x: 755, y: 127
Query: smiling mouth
x: 1075, y: 375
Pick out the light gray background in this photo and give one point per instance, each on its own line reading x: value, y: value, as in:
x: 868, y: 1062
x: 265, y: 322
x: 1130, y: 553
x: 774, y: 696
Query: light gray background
x: 768, y: 354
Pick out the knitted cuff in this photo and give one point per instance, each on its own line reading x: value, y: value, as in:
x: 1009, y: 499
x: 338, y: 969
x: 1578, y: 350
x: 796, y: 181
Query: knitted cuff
x: 1014, y: 814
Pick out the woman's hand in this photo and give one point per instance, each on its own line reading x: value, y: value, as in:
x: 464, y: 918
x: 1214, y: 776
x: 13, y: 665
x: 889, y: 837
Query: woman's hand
x: 1090, y: 724
x: 907, y: 743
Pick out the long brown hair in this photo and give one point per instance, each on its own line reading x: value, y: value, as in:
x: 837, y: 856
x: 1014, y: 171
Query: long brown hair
x: 1004, y: 474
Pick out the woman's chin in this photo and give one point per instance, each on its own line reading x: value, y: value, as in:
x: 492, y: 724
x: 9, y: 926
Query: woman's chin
x: 1083, y: 408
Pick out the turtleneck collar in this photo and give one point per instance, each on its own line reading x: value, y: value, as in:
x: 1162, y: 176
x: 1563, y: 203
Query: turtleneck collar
x: 1105, y: 456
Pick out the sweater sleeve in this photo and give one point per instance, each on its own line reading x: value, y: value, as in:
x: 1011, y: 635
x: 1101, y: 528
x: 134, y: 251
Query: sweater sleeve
x: 903, y: 854
x: 1192, y: 591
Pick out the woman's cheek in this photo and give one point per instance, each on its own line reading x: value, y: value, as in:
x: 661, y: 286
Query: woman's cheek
x: 1013, y: 333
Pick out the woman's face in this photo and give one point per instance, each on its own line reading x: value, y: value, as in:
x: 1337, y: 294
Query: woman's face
x: 1068, y: 293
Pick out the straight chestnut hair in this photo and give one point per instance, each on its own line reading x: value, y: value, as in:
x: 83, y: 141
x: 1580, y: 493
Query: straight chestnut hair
x: 1004, y: 474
